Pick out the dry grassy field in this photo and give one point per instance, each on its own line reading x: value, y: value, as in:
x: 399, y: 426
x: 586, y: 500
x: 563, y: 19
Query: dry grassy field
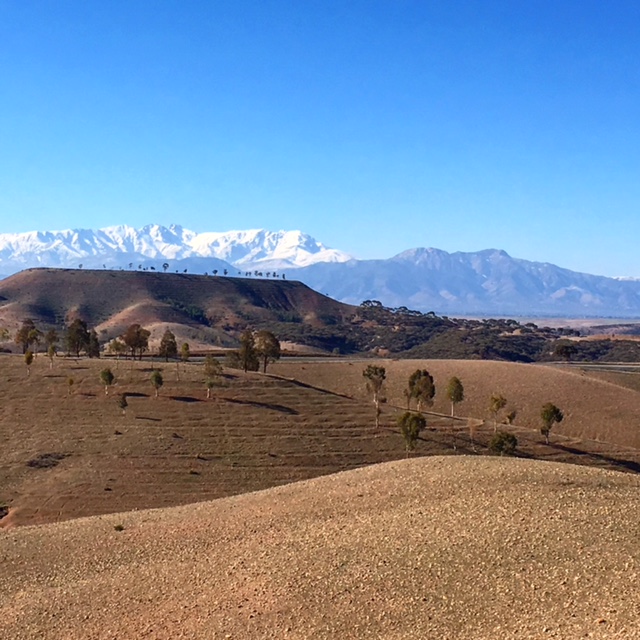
x: 457, y: 548
x: 601, y: 407
x: 74, y: 454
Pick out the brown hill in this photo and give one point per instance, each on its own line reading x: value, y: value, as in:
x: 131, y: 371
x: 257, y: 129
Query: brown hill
x: 112, y: 300
x: 65, y: 456
x: 465, y: 548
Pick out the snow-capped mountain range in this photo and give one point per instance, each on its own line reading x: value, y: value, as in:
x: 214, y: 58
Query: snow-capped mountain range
x: 259, y: 248
x: 486, y: 282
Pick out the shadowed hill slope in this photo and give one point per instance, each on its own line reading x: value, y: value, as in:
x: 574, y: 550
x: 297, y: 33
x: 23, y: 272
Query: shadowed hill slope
x: 465, y: 548
x: 113, y: 299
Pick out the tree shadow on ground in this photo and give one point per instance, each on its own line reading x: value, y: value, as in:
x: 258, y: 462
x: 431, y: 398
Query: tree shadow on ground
x: 627, y: 465
x: 185, y: 399
x: 265, y: 405
x: 148, y: 418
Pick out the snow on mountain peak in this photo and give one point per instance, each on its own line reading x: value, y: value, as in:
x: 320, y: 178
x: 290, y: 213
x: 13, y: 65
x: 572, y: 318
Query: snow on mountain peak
x: 266, y: 249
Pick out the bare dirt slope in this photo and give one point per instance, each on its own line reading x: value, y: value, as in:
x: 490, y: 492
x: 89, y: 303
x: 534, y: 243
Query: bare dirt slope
x: 460, y: 548
x: 594, y: 409
x: 111, y: 300
x: 66, y: 456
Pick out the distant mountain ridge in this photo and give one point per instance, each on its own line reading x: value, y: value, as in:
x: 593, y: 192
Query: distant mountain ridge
x: 108, y: 246
x: 488, y: 282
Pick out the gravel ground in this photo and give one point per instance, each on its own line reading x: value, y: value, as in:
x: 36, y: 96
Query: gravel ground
x: 446, y: 548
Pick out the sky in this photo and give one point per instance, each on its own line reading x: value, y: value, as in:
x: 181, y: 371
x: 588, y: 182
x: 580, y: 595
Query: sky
x: 375, y: 126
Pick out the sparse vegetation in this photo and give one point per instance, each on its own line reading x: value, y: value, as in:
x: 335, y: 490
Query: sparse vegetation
x: 107, y: 378
x: 267, y: 348
x: 497, y: 403
x: 375, y: 376
x: 455, y: 392
x: 411, y: 425
x: 550, y: 415
x: 168, y: 346
x: 503, y: 443
x: 157, y: 381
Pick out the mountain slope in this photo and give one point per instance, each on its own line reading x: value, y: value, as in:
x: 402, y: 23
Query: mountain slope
x: 485, y: 282
x: 488, y: 282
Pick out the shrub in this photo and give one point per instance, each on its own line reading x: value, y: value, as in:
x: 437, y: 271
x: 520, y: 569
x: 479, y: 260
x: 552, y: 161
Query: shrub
x: 503, y: 443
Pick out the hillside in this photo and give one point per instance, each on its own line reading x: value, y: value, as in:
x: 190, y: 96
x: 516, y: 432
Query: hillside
x: 110, y: 301
x: 465, y: 548
x: 68, y: 451
x: 594, y: 409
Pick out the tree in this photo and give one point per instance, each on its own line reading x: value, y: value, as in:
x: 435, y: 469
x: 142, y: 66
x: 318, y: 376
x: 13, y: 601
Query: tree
x: 212, y: 367
x: 550, y: 414
x: 185, y: 352
x: 70, y: 383
x: 137, y: 340
x: 497, y: 403
x: 24, y: 335
x: 117, y: 348
x: 77, y: 337
x: 35, y: 336
x: 51, y: 352
x: 375, y: 376
x: 28, y: 360
x: 165, y: 266
x: 107, y: 377
x: 247, y: 352
x: 421, y: 387
x: 168, y: 346
x: 455, y: 392
x: 267, y: 348
x: 156, y: 381
x: 212, y: 370
x: 503, y: 443
x: 122, y: 403
x: 565, y: 350
x: 411, y: 425
x: 93, y: 346
x: 51, y: 338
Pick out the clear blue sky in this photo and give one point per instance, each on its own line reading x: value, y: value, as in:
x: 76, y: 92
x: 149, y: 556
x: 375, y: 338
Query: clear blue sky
x: 375, y: 126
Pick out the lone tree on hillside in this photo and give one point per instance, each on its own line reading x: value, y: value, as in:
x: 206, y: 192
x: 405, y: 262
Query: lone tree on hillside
x: 107, y: 378
x: 156, y: 381
x: 122, y: 403
x: 168, y: 346
x: 497, y: 403
x: 375, y: 376
x: 267, y: 348
x: 28, y: 360
x: 185, y: 352
x: 411, y: 425
x: 77, y: 337
x: 137, y: 340
x: 421, y: 387
x: 247, y: 352
x: 51, y: 352
x: 550, y: 414
x: 455, y: 392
